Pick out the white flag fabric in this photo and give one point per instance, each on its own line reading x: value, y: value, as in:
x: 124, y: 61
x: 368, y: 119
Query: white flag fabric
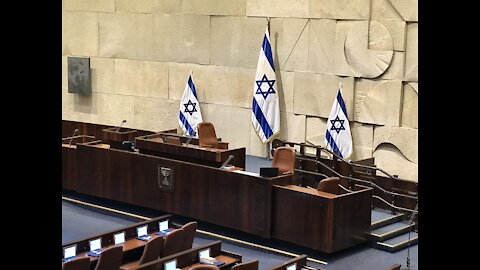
x: 337, y: 136
x: 265, y: 107
x: 190, y: 114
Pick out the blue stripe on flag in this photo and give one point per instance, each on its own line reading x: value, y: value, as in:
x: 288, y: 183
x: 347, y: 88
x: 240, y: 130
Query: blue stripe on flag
x: 342, y: 103
x: 332, y: 143
x: 192, y: 86
x: 185, y: 123
x: 261, y: 119
x: 267, y: 49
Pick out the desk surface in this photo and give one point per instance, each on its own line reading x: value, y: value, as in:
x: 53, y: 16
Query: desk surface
x: 130, y: 244
x: 224, y: 258
x: 237, y: 170
x: 192, y: 152
x: 310, y: 191
x: 74, y: 146
x: 193, y: 146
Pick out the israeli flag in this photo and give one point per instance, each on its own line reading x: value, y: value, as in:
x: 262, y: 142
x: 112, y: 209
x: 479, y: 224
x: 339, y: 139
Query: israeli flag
x: 265, y: 107
x: 337, y: 136
x: 190, y: 115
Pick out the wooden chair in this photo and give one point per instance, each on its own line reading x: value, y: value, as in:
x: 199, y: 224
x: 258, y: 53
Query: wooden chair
x: 251, y: 265
x: 173, y: 243
x: 110, y: 258
x: 80, y: 263
x: 189, y: 231
x: 204, y: 267
x: 208, y: 138
x: 284, y: 159
x: 152, y: 251
x: 394, y: 267
x: 330, y: 185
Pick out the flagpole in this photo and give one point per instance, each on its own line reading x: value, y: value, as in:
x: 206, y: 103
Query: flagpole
x: 268, y: 143
x: 268, y: 151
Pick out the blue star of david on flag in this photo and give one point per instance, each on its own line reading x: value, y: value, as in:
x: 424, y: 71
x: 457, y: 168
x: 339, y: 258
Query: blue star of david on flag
x: 270, y: 86
x: 334, y: 126
x: 193, y: 107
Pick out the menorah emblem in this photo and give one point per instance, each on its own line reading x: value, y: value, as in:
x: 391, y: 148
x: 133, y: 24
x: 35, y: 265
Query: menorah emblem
x: 165, y: 178
x: 166, y: 173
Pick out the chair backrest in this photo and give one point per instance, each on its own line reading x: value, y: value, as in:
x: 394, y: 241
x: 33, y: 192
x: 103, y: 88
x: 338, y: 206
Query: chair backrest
x: 80, y: 263
x: 189, y: 231
x: 152, y: 250
x: 110, y: 258
x: 204, y: 267
x: 330, y: 185
x: 173, y: 243
x: 251, y: 265
x: 394, y: 267
x: 206, y: 135
x: 284, y: 159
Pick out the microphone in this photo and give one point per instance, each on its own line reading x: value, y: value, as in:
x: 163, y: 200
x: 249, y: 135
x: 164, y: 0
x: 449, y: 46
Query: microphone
x: 75, y: 132
x: 230, y: 157
x: 118, y: 129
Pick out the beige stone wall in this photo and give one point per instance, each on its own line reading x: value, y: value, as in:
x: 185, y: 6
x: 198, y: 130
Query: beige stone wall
x: 141, y: 53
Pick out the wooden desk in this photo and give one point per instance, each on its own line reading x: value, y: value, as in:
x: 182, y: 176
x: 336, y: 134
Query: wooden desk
x: 131, y: 246
x: 261, y: 206
x: 154, y: 145
x: 189, y: 258
x: 320, y: 220
x: 237, y: 201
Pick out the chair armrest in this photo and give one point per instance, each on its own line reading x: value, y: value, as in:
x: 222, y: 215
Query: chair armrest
x: 205, y: 145
x: 222, y: 145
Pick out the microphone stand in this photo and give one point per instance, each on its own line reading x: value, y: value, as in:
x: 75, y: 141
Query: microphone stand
x: 408, y: 248
x: 71, y: 139
x: 118, y: 128
x: 189, y: 139
x: 223, y: 167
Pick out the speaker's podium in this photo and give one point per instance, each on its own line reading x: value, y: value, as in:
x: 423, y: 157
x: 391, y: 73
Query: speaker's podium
x: 116, y: 136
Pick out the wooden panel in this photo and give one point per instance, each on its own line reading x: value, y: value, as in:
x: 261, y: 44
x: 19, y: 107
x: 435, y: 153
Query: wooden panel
x: 69, y: 168
x: 351, y: 223
x: 295, y: 213
x: 70, y: 160
x: 237, y: 201
x: 318, y: 220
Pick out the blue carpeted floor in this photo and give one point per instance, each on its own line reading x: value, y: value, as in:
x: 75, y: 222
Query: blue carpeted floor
x: 79, y: 221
